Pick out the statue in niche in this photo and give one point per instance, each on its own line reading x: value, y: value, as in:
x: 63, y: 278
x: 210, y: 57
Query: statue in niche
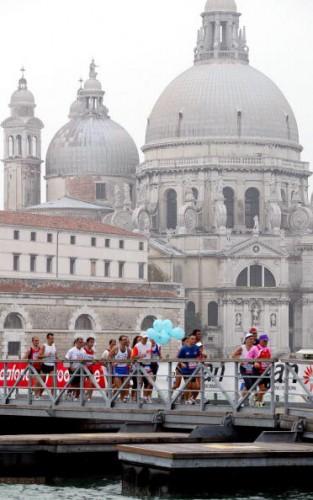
x: 255, y: 313
x: 238, y: 319
x: 127, y: 200
x: 256, y: 227
x: 219, y: 187
x: 273, y: 320
x: 118, y: 196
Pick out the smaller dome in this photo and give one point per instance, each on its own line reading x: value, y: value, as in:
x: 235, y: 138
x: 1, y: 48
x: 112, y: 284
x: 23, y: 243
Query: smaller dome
x: 22, y: 97
x: 220, y: 6
x: 76, y: 109
x: 92, y: 84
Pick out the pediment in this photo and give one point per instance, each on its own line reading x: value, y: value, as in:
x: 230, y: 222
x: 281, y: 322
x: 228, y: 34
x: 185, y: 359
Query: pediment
x: 255, y: 248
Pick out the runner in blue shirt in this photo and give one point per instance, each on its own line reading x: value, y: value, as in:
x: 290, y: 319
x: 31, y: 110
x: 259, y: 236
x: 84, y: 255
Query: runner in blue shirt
x: 190, y: 351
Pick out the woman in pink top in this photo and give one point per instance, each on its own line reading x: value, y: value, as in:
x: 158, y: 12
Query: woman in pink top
x: 259, y: 352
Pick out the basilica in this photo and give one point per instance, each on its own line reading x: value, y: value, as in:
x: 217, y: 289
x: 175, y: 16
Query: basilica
x: 221, y: 196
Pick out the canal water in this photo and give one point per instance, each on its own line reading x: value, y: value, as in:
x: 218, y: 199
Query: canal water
x: 110, y: 489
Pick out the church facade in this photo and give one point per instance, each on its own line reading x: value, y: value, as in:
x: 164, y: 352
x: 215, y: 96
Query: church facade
x: 222, y: 193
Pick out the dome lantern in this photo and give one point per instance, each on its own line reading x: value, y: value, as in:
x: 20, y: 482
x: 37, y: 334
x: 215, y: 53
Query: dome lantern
x: 220, y: 36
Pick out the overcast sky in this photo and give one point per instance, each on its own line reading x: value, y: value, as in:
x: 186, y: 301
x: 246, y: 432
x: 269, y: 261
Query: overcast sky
x: 140, y: 46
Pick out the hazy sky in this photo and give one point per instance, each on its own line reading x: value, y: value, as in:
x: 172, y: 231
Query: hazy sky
x: 140, y: 46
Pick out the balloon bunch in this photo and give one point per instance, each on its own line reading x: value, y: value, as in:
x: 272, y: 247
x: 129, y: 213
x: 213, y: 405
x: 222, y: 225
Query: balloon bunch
x: 163, y: 332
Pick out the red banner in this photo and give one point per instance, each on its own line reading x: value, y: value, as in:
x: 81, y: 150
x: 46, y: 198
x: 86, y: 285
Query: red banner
x: 13, y: 370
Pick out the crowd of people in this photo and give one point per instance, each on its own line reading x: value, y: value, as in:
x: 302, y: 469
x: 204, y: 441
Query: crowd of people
x: 132, y: 367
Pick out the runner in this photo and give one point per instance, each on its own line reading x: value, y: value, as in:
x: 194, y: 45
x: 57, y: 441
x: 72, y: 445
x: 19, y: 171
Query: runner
x: 190, y: 351
x: 135, y: 378
x: 90, y: 355
x: 120, y: 354
x: 48, y: 355
x: 254, y: 332
x: 259, y: 352
x: 247, y: 369
x: 31, y: 355
x: 142, y: 351
x: 178, y: 370
x: 75, y: 356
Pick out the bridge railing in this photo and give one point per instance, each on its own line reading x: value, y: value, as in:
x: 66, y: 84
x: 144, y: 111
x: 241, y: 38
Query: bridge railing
x: 200, y: 384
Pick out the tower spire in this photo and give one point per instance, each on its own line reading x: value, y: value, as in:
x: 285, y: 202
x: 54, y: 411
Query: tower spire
x: 219, y: 37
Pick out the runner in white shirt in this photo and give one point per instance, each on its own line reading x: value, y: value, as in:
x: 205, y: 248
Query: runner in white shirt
x: 143, y: 352
x: 75, y: 355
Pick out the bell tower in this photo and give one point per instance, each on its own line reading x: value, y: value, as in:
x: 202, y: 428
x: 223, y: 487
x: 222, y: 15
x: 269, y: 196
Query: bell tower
x: 22, y: 150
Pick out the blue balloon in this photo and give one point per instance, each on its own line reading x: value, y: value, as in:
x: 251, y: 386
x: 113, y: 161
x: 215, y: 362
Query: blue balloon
x: 167, y: 326
x: 163, y: 338
x: 158, y: 325
x: 151, y: 333
x: 178, y: 333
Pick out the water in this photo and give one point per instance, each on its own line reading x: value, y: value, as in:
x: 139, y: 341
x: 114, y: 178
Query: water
x: 111, y: 490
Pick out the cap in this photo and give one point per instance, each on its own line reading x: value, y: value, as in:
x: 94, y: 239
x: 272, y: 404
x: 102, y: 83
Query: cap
x: 248, y: 336
x: 253, y: 330
x: 144, y: 336
x: 264, y: 337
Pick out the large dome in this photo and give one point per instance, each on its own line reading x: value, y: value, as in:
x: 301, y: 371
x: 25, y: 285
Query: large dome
x: 91, y: 145
x: 222, y: 100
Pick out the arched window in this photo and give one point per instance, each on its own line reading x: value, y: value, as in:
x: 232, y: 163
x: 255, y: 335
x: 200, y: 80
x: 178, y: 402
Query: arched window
x: 283, y: 196
x: 34, y: 146
x: 190, y: 317
x: 171, y: 209
x: 256, y: 276
x: 229, y: 203
x: 83, y: 322
x: 252, y: 206
x: 19, y: 145
x: 29, y: 145
x: 11, y: 146
x: 13, y: 322
x: 147, y: 322
x: 213, y: 314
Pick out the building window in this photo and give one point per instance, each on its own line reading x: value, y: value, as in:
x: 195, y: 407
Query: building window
x: 83, y: 322
x: 16, y: 262
x: 32, y: 236
x: 100, y: 191
x: 72, y: 265
x: 141, y: 270
x: 190, y: 317
x: 11, y: 146
x: 121, y: 268
x: 141, y: 245
x: 107, y: 243
x: 16, y: 235
x: 171, y: 209
x: 93, y: 268
x: 33, y: 263
x: 73, y: 240
x: 14, y: 349
x: 256, y: 276
x: 107, y: 266
x: 147, y: 323
x: 29, y: 145
x: 252, y: 206
x: 229, y: 204
x: 19, y: 145
x: 121, y: 244
x: 93, y: 242
x: 49, y: 238
x: 213, y: 314
x: 13, y: 322
x: 49, y: 264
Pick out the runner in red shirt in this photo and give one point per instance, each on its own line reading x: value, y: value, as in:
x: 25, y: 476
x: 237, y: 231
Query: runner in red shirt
x: 31, y: 355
